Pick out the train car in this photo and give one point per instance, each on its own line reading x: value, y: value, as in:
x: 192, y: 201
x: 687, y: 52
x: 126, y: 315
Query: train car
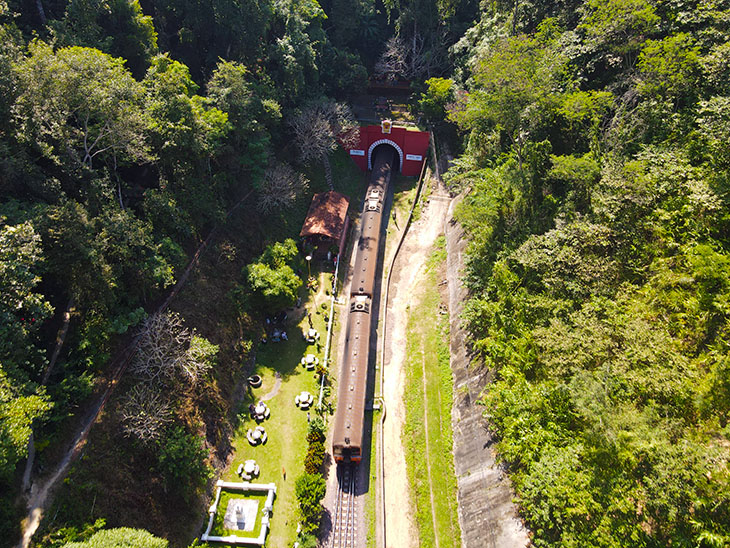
x: 348, y: 434
x: 347, y: 443
x: 366, y: 259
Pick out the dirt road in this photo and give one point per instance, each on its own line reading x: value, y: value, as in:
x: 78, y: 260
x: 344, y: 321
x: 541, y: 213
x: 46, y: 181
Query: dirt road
x: 407, y: 274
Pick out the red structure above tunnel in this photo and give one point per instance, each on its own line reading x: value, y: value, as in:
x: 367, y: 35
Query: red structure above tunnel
x: 411, y: 146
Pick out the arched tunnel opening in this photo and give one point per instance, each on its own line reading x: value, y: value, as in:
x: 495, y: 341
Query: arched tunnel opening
x: 378, y: 148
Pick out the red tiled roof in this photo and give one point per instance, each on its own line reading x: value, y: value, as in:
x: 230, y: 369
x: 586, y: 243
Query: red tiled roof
x: 326, y: 215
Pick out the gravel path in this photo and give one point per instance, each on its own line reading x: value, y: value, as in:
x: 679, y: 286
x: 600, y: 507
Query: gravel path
x: 275, y: 390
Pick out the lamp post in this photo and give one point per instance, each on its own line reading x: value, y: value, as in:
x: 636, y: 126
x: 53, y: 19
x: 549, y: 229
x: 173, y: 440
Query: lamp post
x: 308, y: 258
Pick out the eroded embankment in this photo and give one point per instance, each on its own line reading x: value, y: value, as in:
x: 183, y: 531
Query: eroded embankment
x: 487, y: 516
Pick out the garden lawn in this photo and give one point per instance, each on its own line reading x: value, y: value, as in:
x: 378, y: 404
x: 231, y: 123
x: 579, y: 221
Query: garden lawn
x: 287, y: 426
x: 286, y: 446
x: 226, y: 496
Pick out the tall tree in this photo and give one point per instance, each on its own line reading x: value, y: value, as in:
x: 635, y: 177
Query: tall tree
x: 516, y: 86
x: 117, y: 27
x: 254, y: 116
x: 319, y: 128
x: 22, y: 311
x: 280, y: 188
x: 80, y: 108
x: 187, y: 133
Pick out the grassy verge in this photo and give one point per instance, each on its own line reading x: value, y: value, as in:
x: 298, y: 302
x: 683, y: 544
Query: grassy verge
x: 371, y: 508
x: 404, y: 192
x: 428, y: 398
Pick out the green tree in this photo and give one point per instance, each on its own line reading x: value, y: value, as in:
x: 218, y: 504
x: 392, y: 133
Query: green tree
x: 199, y: 34
x: 433, y: 101
x: 310, y: 490
x: 181, y: 461
x: 22, y: 309
x: 105, y: 260
x: 314, y: 458
x: 80, y: 108
x: 273, y: 288
x: 185, y: 126
x: 294, y: 47
x: 515, y: 90
x: 272, y: 280
x: 118, y: 28
x: 186, y: 133
x: 253, y: 114
x: 20, y: 407
x: 669, y: 67
x: 123, y: 537
x: 616, y: 29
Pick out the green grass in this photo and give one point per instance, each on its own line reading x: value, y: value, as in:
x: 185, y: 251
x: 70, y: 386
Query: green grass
x: 371, y: 508
x: 226, y: 496
x: 287, y: 426
x: 428, y: 350
x: 403, y: 193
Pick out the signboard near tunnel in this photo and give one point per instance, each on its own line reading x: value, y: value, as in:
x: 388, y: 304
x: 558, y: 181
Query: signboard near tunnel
x: 411, y: 146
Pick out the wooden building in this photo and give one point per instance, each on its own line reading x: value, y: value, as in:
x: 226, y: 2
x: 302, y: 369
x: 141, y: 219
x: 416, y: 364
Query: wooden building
x: 327, y: 222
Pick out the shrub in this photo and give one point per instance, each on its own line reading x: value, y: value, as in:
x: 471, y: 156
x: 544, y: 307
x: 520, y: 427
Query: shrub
x: 315, y: 457
x: 310, y: 489
x: 123, y: 537
x: 316, y: 426
x: 307, y: 540
x: 181, y: 461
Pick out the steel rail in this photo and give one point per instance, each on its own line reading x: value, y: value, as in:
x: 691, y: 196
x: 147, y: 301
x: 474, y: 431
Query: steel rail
x: 345, y: 524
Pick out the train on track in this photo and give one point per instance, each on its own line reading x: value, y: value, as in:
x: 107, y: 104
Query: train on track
x: 347, y: 443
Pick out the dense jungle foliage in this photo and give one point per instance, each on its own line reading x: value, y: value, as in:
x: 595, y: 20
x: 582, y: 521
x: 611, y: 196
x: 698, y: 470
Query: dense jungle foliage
x: 128, y: 132
x: 597, y: 191
x: 593, y: 139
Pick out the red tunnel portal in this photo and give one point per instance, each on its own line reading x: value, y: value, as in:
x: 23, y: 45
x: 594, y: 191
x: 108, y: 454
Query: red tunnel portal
x: 410, y: 145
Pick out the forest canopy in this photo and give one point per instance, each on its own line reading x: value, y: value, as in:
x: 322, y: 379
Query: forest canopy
x: 590, y: 142
x: 598, y: 263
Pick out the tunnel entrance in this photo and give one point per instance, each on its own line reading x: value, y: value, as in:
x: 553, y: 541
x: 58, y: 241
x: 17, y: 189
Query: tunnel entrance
x: 385, y: 143
x: 410, y: 144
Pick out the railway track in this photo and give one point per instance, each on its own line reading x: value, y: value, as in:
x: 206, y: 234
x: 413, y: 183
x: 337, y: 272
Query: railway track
x: 344, y: 526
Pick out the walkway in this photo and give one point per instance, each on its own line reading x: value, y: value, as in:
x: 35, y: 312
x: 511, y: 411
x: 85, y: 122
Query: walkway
x: 274, y: 390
